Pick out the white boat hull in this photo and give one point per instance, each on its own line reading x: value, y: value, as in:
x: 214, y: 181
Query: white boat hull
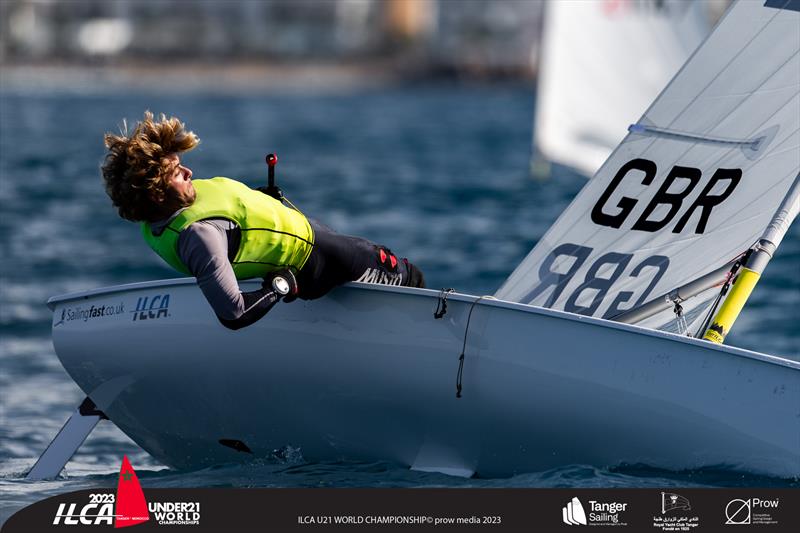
x: 368, y: 373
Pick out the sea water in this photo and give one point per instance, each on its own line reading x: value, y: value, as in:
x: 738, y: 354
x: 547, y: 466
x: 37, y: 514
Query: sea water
x: 437, y: 172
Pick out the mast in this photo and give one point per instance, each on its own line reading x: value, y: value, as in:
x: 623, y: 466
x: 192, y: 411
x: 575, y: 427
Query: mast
x: 754, y: 266
x: 681, y: 294
x: 749, y: 273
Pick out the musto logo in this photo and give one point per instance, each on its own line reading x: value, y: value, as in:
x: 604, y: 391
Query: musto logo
x: 127, y: 508
x: 600, y: 513
x: 151, y: 307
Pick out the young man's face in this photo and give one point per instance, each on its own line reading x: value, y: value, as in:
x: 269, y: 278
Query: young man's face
x: 180, y: 191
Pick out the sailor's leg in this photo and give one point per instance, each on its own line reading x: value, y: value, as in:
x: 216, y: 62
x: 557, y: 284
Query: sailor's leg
x: 67, y: 441
x: 337, y: 259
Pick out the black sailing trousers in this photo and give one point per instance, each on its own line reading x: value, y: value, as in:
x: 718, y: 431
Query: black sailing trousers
x: 337, y: 259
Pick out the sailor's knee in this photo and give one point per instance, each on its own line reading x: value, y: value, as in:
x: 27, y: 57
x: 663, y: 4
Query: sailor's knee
x: 415, y: 277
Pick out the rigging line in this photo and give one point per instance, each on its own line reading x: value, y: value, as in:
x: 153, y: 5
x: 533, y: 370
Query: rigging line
x: 441, y: 303
x: 710, y: 313
x: 460, y: 373
x: 292, y: 205
x: 681, y: 324
x: 722, y: 292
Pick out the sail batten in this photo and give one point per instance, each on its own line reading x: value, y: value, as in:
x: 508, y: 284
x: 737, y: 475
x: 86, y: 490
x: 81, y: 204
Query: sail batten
x: 694, y: 184
x: 641, y: 129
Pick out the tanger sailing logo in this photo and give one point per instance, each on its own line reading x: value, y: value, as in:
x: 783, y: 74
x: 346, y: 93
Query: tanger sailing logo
x: 573, y: 513
x: 131, y: 507
x: 600, y: 513
x: 151, y: 307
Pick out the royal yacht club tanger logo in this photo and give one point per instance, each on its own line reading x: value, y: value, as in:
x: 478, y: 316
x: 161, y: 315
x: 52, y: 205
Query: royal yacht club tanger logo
x: 674, y: 517
x: 599, y: 513
x: 151, y: 307
x: 672, y: 502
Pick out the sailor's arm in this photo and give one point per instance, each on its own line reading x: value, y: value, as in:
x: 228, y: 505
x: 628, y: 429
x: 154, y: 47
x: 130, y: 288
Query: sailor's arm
x: 203, y: 248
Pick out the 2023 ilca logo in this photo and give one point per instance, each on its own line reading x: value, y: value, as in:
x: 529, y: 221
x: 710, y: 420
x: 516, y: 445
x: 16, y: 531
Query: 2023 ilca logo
x: 128, y: 507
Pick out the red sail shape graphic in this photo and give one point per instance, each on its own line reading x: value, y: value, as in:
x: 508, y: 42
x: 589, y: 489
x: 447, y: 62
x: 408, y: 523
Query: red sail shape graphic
x: 131, y: 505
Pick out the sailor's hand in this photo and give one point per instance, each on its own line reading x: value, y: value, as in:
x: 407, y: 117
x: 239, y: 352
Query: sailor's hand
x: 282, y: 282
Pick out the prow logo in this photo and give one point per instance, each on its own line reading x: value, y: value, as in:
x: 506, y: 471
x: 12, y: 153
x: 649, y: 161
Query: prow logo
x: 131, y: 505
x: 573, y: 513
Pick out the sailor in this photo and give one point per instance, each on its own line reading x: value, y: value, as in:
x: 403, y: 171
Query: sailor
x: 219, y: 230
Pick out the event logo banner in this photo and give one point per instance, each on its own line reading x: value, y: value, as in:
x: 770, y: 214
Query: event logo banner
x: 740, y: 510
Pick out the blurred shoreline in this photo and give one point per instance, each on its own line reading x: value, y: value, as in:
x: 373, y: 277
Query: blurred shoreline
x: 237, y: 76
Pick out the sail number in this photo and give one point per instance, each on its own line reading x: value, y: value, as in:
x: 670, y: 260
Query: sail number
x: 654, y: 266
x: 606, y: 215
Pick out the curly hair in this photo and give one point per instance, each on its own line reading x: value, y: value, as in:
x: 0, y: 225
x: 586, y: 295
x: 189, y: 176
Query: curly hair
x: 137, y: 167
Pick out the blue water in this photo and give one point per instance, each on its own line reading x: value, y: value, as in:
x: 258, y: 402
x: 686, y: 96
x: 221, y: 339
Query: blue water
x: 438, y: 172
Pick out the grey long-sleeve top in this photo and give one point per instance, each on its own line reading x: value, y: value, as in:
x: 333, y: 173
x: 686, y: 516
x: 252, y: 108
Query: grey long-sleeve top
x: 206, y: 247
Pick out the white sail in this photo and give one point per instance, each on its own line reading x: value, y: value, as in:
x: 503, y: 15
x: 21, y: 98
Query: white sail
x: 695, y: 183
x: 602, y: 64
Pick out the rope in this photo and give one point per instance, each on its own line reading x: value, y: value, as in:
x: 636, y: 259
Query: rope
x: 291, y: 204
x: 682, y: 325
x: 461, y: 357
x: 441, y: 304
x: 722, y: 292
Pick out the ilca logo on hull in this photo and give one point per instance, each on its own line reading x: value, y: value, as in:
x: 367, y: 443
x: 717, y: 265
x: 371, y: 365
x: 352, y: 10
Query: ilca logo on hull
x: 151, y: 307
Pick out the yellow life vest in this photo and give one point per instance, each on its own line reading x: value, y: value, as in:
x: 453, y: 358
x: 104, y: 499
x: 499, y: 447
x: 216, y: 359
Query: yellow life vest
x: 273, y: 236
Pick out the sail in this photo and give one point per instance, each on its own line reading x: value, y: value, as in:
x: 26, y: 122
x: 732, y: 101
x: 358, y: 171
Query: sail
x: 602, y: 64
x: 131, y: 505
x: 696, y: 182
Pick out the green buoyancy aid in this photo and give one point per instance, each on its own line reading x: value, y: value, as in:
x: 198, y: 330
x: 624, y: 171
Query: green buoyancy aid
x: 273, y: 236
